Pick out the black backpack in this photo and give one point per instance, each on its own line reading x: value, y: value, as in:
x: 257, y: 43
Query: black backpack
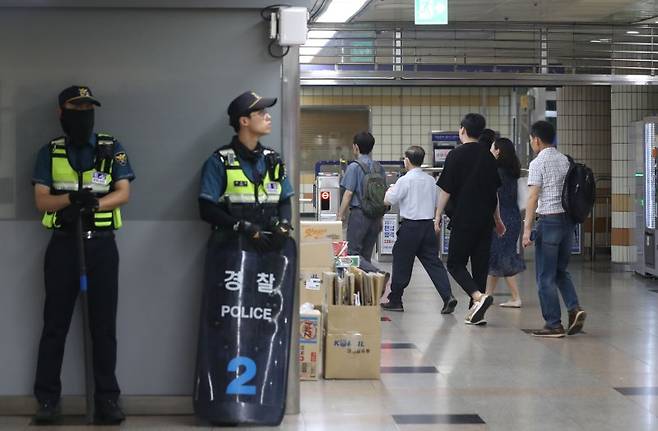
x: 579, y: 191
x: 373, y: 189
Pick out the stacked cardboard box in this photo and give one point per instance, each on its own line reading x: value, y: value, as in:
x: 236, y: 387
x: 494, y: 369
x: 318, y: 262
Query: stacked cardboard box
x: 316, y: 257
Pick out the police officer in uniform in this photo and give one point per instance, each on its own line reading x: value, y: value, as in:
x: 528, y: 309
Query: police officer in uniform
x: 244, y: 189
x: 106, y: 176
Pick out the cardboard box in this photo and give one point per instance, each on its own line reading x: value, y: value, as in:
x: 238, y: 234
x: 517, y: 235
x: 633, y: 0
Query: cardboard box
x: 311, y: 287
x: 310, y: 345
x: 318, y: 254
x: 353, y: 340
x: 321, y: 231
x: 353, y: 344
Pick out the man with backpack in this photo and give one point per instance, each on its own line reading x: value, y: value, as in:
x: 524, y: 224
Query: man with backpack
x: 364, y: 187
x: 553, y: 237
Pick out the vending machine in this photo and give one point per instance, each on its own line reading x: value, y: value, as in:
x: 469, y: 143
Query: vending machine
x: 642, y: 136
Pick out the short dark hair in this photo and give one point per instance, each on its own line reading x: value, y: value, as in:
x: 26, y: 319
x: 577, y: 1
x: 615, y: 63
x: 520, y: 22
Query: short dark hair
x: 544, y: 131
x: 415, y: 154
x: 487, y: 136
x: 235, y: 123
x: 365, y: 141
x: 474, y: 124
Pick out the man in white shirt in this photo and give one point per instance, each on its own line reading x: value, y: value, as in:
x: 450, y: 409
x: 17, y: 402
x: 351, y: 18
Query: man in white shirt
x: 416, y: 194
x: 554, y: 234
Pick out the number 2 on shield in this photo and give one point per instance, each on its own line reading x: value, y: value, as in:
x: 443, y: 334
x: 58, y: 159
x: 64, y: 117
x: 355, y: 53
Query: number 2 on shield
x: 238, y: 386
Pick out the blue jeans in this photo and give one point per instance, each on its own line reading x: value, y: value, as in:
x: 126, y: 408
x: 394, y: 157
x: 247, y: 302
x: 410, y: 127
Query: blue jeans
x: 552, y: 253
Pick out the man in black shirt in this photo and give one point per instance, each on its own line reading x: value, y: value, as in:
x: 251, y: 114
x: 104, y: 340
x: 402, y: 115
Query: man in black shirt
x: 469, y: 188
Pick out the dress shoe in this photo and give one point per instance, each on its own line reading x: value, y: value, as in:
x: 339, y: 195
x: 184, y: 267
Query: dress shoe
x: 48, y: 413
x: 392, y: 306
x: 449, y: 306
x: 108, y: 412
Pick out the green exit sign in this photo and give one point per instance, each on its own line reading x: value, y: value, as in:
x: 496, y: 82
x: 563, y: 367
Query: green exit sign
x: 430, y: 12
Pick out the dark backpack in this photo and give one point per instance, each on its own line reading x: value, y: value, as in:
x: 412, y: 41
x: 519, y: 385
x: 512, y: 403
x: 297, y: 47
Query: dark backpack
x: 373, y: 189
x: 579, y: 191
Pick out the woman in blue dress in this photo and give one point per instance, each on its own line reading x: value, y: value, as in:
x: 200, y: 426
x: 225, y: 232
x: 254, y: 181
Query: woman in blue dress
x: 505, y: 262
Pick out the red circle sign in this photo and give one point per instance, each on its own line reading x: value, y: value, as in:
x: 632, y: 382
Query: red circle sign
x: 324, y: 195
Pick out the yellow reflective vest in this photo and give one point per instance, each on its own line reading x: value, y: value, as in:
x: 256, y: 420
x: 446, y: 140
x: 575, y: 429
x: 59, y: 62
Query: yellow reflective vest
x: 241, y: 190
x: 65, y: 179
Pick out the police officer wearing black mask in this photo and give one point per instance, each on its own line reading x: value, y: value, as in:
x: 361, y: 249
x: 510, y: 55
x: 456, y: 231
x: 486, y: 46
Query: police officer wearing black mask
x: 106, y: 176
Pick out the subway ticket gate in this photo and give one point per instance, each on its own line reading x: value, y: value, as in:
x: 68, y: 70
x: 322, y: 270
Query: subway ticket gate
x: 390, y: 222
x: 327, y: 196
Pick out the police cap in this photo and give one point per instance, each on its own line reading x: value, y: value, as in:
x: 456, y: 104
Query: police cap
x: 248, y: 102
x: 77, y: 94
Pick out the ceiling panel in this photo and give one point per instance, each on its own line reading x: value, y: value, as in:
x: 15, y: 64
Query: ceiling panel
x: 565, y: 11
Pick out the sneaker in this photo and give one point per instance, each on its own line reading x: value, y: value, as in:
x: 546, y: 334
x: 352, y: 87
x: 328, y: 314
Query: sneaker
x: 481, y: 322
x: 511, y: 304
x: 549, y: 332
x: 392, y: 306
x: 576, y: 321
x: 476, y: 313
x: 449, y: 306
x: 48, y: 413
x: 108, y: 412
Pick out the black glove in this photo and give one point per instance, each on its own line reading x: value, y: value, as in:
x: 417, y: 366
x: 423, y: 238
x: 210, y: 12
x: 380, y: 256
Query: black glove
x: 84, y: 200
x: 280, y: 232
x: 253, y: 232
x: 282, y: 228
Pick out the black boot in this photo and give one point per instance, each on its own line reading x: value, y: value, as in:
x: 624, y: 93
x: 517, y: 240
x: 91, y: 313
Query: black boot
x: 108, y: 412
x: 48, y: 413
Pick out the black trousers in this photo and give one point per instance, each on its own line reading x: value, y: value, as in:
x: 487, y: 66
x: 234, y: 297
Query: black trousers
x: 416, y: 238
x: 470, y: 244
x: 62, y: 289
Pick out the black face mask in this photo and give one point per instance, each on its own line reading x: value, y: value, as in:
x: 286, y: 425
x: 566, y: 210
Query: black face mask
x: 244, y: 152
x: 78, y: 125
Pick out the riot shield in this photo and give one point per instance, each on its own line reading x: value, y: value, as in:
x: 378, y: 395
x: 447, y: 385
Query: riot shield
x: 244, y: 334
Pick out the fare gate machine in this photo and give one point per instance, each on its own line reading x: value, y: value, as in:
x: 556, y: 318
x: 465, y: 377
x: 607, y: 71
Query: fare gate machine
x: 391, y: 220
x: 327, y: 198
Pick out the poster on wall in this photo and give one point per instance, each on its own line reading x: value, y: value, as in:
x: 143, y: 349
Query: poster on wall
x: 389, y: 234
x: 445, y: 235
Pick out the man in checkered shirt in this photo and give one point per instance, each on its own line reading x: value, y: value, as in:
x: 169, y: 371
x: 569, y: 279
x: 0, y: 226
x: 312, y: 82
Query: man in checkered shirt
x: 554, y: 234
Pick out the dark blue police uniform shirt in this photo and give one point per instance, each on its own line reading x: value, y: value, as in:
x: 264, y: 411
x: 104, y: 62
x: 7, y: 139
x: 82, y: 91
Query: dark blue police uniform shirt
x: 353, y: 178
x: 213, y: 178
x: 82, y: 160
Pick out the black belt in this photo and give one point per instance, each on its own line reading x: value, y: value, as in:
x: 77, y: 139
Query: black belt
x: 425, y: 220
x: 549, y: 215
x: 90, y: 234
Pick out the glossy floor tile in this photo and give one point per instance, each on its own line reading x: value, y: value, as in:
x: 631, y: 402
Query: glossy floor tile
x: 440, y: 374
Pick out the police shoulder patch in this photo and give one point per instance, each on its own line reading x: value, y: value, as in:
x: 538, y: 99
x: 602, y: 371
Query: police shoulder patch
x: 121, y: 158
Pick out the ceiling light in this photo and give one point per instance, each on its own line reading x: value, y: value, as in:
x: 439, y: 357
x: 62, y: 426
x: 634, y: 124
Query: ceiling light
x: 595, y: 41
x: 632, y: 32
x: 341, y: 10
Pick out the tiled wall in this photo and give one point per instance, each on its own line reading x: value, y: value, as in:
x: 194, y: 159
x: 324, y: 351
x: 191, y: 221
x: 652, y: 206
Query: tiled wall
x: 628, y: 104
x: 584, y: 133
x: 404, y: 116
